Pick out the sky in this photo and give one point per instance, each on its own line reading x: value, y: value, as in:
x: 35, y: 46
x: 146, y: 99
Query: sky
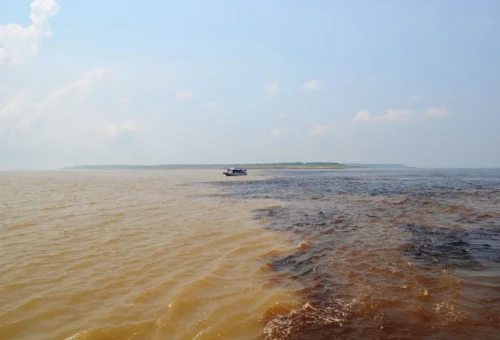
x: 195, y: 81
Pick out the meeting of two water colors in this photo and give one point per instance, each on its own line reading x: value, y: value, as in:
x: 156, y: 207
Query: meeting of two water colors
x: 384, y: 254
x: 309, y: 254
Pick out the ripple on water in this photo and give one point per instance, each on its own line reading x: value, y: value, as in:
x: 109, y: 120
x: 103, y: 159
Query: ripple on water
x: 346, y: 255
x: 386, y: 256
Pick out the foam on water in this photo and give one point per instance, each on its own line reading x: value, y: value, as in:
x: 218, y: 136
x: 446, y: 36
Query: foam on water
x: 358, y: 254
x: 405, y: 254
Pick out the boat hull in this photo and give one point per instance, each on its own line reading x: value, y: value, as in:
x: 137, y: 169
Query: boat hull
x: 235, y: 172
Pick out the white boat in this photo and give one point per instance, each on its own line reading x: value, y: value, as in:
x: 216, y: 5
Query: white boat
x: 235, y: 172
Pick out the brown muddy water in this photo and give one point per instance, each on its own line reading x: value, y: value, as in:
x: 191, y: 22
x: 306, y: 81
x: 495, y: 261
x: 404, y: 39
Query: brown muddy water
x: 410, y: 254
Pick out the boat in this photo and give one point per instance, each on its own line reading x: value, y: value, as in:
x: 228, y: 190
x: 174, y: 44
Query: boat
x: 235, y: 172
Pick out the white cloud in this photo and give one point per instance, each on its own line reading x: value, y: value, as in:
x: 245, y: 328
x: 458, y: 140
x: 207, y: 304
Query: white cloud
x: 14, y: 106
x: 390, y: 116
x: 129, y: 126
x: 312, y: 85
x: 79, y: 87
x: 436, y: 112
x: 273, y: 90
x: 184, y: 95
x: 58, y: 118
x: 212, y: 105
x: 396, y: 116
x: 362, y: 117
x: 17, y: 43
x: 277, y: 132
x: 319, y: 130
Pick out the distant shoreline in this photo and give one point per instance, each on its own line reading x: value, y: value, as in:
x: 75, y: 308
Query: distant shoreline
x: 264, y: 166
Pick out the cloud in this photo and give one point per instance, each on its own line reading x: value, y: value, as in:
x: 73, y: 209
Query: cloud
x: 14, y: 106
x: 311, y: 85
x: 114, y: 130
x: 277, y: 132
x: 79, y: 87
x: 273, y: 90
x: 18, y: 44
x: 58, y: 119
x: 396, y: 116
x: 362, y: 117
x: 436, y: 112
x: 390, y: 116
x: 184, y: 95
x: 212, y: 105
x: 319, y: 130
x: 481, y: 21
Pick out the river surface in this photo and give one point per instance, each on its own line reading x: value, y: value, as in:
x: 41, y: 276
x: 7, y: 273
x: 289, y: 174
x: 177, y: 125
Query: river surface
x: 354, y: 254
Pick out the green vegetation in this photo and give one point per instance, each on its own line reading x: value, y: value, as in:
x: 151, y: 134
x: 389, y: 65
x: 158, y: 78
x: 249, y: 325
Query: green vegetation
x: 283, y: 165
x: 302, y: 164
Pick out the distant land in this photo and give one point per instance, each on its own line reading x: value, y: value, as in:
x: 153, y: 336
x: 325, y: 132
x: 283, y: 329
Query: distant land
x: 384, y: 166
x: 284, y: 165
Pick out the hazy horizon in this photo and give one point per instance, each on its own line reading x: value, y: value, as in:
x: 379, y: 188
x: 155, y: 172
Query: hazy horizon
x: 89, y: 83
x: 169, y: 166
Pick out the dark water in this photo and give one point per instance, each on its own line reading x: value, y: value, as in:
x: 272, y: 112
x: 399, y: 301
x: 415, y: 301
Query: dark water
x: 406, y: 254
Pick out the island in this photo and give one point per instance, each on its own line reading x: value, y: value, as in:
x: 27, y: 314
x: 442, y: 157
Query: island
x: 280, y: 165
